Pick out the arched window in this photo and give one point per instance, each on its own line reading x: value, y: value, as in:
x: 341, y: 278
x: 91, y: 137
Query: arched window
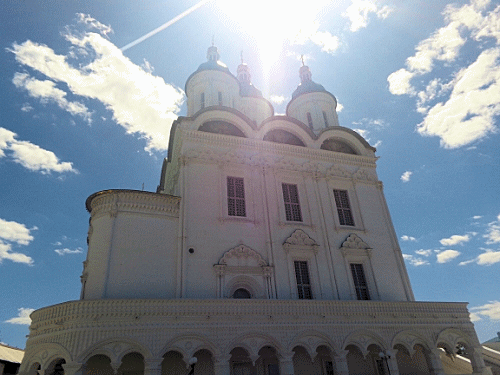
x: 282, y: 136
x: 241, y: 293
x: 221, y: 127
x: 337, y: 145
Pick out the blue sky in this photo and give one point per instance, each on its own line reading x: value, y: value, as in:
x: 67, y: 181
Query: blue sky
x: 421, y: 82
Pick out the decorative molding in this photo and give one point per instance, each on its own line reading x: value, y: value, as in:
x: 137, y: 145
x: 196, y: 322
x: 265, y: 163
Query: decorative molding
x: 241, y: 252
x: 354, y: 242
x: 300, y: 241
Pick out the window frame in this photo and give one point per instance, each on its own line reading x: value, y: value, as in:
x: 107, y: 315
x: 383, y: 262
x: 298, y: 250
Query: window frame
x: 360, y: 290
x: 344, y: 219
x: 291, y: 214
x: 302, y: 288
x: 233, y: 200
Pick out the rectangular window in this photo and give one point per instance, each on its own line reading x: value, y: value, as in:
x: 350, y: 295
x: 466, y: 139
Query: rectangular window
x: 220, y: 98
x: 325, y: 118
x: 292, y: 205
x: 235, y: 197
x: 343, y: 207
x: 309, y: 120
x: 303, y: 281
x: 202, y: 100
x: 358, y: 276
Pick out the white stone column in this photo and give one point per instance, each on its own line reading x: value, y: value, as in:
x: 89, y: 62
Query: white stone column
x: 222, y: 366
x: 73, y: 368
x: 341, y: 363
x: 286, y: 365
x: 392, y: 362
x: 152, y: 366
x: 435, y: 361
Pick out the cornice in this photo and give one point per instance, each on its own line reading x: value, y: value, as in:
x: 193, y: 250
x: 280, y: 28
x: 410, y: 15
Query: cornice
x: 114, y: 201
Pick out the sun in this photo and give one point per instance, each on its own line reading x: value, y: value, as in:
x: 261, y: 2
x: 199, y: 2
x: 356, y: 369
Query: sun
x: 273, y: 22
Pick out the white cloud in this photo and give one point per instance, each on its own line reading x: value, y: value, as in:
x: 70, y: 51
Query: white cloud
x: 93, y: 24
x: 340, y: 107
x: 447, y: 255
x: 405, y: 177
x: 31, y: 156
x: 493, y: 232
x: 26, y: 107
x: 359, y: 10
x: 140, y: 102
x: 415, y: 261
x: 455, y: 240
x: 12, y: 232
x: 476, y: 217
x: 491, y: 310
x: 425, y: 253
x: 47, y: 91
x: 408, y: 238
x: 22, y: 318
x: 469, y: 113
x: 67, y: 251
x: 309, y: 32
x: 488, y: 258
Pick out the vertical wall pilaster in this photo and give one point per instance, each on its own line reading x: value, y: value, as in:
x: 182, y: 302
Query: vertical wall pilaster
x: 341, y: 363
x: 222, y: 366
x: 436, y: 366
x: 153, y: 366
x: 286, y: 365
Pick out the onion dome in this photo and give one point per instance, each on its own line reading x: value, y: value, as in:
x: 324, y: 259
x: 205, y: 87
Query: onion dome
x: 213, y: 62
x: 306, y: 85
x: 246, y: 87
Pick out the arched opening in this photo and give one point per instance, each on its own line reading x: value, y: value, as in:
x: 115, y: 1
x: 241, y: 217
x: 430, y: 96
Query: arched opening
x: 372, y: 363
x: 241, y: 293
x: 173, y: 364
x: 33, y: 369
x: 55, y: 367
x: 221, y: 127
x: 98, y: 364
x: 204, y: 363
x: 416, y: 364
x: 332, y: 144
x: 324, y: 359
x: 240, y: 362
x: 132, y: 364
x: 302, y: 362
x: 268, y: 363
x: 282, y: 136
x: 456, y: 360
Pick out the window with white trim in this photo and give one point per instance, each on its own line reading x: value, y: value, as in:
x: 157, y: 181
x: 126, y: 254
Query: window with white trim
x: 236, y: 197
x: 343, y: 207
x: 292, y: 204
x: 358, y: 276
x: 303, y: 280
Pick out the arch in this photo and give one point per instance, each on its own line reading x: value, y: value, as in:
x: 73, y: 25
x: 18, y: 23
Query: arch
x: 244, y: 282
x: 338, y: 145
x: 311, y: 340
x: 363, y: 339
x: 346, y: 136
x: 221, y: 127
x: 114, y: 348
x: 47, y: 353
x: 408, y: 339
x: 253, y: 342
x: 55, y: 366
x: 239, y: 253
x: 283, y: 136
x: 173, y: 363
x: 132, y: 364
x: 450, y: 337
x: 99, y: 364
x: 416, y: 363
x: 33, y: 368
x: 188, y: 344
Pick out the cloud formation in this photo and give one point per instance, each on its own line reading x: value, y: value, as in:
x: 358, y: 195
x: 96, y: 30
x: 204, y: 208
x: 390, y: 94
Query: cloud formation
x: 493, y: 232
x: 22, y: 318
x: 405, y: 177
x: 491, y: 310
x: 463, y: 109
x: 358, y: 13
x: 67, y: 251
x: 13, y: 233
x: 31, y: 156
x: 408, y: 238
x: 415, y: 261
x: 455, y: 240
x: 141, y: 103
x: 487, y: 258
x: 446, y: 256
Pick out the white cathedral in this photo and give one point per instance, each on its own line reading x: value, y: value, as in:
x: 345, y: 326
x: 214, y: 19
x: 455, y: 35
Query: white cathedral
x: 267, y: 249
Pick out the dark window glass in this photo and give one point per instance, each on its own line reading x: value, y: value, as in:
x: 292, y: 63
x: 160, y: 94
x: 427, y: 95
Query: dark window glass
x: 303, y: 281
x: 241, y: 293
x: 235, y: 197
x: 220, y: 98
x: 309, y: 120
x: 202, y: 100
x: 292, y: 205
x: 325, y: 118
x: 343, y: 207
x: 358, y: 276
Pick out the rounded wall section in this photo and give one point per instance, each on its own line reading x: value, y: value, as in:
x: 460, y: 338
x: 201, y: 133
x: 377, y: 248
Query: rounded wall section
x: 257, y: 109
x: 211, y: 88
x: 279, y: 128
x: 318, y: 110
x: 341, y: 139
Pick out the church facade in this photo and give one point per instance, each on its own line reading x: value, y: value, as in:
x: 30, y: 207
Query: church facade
x: 268, y: 249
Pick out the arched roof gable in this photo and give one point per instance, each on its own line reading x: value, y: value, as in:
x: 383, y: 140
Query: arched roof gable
x: 115, y: 348
x: 289, y: 125
x: 349, y: 136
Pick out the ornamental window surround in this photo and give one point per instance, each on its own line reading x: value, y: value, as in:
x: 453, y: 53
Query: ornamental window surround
x: 291, y: 201
x: 236, y: 197
x: 343, y: 207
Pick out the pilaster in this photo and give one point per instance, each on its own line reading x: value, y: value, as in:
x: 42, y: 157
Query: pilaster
x: 222, y: 366
x: 153, y: 366
x: 341, y: 363
x: 435, y: 362
x: 73, y: 368
x: 286, y: 365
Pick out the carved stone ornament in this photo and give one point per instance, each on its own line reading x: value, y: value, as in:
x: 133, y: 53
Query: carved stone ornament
x: 300, y: 240
x: 354, y: 242
x: 242, y: 253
